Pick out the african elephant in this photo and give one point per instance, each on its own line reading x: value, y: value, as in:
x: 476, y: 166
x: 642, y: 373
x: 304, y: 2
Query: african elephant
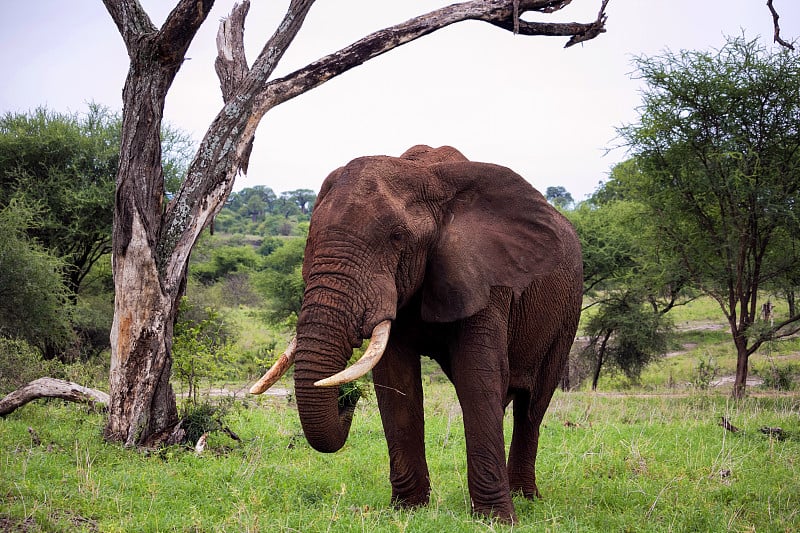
x: 432, y: 254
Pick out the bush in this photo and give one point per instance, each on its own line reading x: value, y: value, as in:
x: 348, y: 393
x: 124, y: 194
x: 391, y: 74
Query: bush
x: 777, y: 377
x: 204, y: 417
x: 202, y: 347
x: 706, y: 371
x: 34, y: 301
x: 21, y: 363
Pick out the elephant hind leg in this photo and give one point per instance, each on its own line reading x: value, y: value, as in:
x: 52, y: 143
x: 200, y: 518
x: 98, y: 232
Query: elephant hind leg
x: 529, y: 410
x: 522, y: 454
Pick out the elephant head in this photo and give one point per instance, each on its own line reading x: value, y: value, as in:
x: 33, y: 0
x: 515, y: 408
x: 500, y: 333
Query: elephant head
x: 429, y: 229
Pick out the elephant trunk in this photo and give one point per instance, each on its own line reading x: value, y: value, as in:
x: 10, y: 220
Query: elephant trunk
x: 325, y: 421
x: 342, y: 305
x: 324, y: 345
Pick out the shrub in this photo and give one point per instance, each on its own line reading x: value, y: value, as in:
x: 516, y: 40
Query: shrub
x: 706, y: 371
x: 21, y: 363
x: 777, y: 377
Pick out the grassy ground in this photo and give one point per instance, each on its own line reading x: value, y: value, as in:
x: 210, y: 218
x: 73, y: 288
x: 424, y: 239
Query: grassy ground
x: 606, y: 463
x: 651, y: 458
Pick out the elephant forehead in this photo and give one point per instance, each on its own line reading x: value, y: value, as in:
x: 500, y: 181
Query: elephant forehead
x: 377, y: 184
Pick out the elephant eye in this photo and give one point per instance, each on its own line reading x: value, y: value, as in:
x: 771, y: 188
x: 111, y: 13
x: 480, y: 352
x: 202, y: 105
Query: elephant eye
x: 397, y: 236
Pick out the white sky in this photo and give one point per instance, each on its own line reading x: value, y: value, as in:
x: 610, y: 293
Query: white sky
x: 525, y: 102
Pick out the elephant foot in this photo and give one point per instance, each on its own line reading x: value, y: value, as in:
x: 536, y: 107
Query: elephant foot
x: 410, y: 501
x: 529, y: 492
x: 522, y: 482
x: 504, y: 513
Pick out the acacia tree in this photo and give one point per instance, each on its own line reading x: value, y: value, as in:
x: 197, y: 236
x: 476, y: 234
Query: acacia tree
x: 630, y: 279
x: 718, y: 146
x: 153, y: 236
x: 65, y: 163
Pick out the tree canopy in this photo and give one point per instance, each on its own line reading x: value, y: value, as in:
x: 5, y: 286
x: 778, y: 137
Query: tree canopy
x: 717, y: 168
x: 559, y: 196
x: 34, y: 301
x: 66, y: 164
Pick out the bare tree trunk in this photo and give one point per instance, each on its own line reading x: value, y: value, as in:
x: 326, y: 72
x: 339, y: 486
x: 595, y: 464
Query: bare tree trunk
x: 153, y: 238
x: 142, y: 407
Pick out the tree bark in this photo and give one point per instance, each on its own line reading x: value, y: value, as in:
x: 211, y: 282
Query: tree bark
x: 742, y: 367
x: 153, y: 237
x: 142, y: 402
x: 601, y: 353
x: 52, y: 388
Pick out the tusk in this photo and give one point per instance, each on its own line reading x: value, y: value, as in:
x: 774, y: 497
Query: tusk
x: 377, y: 344
x: 284, y: 362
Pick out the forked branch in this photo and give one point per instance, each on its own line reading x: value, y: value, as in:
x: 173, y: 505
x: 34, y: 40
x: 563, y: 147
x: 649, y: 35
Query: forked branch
x: 501, y: 13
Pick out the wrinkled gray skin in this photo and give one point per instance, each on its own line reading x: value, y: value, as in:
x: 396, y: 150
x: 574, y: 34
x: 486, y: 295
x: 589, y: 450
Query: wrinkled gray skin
x: 477, y: 271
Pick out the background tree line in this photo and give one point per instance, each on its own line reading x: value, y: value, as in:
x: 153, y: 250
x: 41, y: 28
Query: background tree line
x: 705, y: 205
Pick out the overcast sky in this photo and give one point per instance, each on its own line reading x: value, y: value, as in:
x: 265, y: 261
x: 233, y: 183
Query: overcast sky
x: 527, y: 103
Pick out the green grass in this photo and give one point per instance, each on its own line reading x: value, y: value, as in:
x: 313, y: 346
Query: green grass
x: 653, y: 458
x: 606, y: 463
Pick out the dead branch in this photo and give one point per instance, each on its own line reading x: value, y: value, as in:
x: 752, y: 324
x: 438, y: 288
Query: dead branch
x: 724, y: 422
x: 500, y: 13
x: 231, y: 62
x: 777, y: 35
x: 52, y: 388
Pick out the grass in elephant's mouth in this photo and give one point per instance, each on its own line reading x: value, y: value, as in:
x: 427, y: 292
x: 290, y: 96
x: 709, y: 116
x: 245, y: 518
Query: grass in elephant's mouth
x: 349, y: 394
x: 605, y: 464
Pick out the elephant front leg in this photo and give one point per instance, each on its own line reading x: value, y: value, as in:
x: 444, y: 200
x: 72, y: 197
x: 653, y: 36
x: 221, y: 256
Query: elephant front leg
x: 480, y: 375
x: 398, y: 388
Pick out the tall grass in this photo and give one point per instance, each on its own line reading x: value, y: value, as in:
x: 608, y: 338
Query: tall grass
x: 606, y: 463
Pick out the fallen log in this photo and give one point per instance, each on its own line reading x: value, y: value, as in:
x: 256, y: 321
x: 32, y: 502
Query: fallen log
x: 52, y: 388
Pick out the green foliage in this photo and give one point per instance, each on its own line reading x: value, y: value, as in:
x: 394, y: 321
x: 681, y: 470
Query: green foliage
x: 35, y: 303
x: 625, y: 335
x: 60, y: 169
x: 224, y: 261
x: 201, y: 348
x: 560, y: 197
x: 609, y: 243
x: 349, y: 394
x: 259, y: 211
x: 177, y: 150
x: 717, y: 157
x: 66, y: 164
x: 622, y: 251
x: 198, y: 418
x: 707, y: 370
x: 21, y: 363
x: 281, y: 281
x: 777, y: 377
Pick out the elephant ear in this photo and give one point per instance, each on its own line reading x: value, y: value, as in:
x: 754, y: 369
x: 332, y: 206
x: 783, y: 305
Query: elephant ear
x: 497, y: 230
